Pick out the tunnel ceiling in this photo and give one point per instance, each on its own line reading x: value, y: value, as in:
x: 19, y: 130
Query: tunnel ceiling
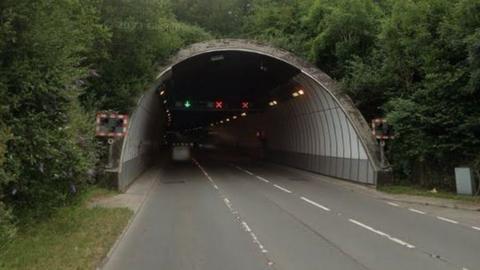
x: 230, y: 76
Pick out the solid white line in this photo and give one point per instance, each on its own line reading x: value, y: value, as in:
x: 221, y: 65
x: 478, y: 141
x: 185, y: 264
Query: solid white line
x: 448, y: 220
x: 282, y: 188
x: 476, y: 228
x: 396, y: 240
x: 416, y: 211
x: 393, y: 204
x: 262, y: 179
x: 315, y: 204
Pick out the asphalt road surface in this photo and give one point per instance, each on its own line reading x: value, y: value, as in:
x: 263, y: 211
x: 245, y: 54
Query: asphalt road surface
x: 224, y: 213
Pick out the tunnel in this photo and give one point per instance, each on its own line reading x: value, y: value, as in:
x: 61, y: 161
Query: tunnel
x: 254, y: 99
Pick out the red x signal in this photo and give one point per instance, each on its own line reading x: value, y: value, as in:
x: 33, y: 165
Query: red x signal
x: 218, y: 104
x: 245, y: 105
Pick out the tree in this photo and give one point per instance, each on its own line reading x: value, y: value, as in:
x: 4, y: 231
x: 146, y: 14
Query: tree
x: 143, y: 33
x: 280, y: 23
x: 345, y: 29
x: 224, y: 18
x: 44, y: 59
x: 424, y: 71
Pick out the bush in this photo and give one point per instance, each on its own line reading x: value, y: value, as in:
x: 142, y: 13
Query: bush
x: 44, y: 52
x: 7, y: 228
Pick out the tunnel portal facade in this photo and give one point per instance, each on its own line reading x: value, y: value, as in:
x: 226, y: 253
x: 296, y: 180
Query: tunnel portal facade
x: 322, y: 132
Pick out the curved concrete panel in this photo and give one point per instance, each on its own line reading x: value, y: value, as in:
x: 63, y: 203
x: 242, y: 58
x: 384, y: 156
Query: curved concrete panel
x: 321, y: 131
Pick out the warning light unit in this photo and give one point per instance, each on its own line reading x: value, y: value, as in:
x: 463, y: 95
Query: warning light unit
x: 111, y: 124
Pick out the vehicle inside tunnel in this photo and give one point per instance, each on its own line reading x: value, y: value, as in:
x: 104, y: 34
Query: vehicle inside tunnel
x: 253, y: 99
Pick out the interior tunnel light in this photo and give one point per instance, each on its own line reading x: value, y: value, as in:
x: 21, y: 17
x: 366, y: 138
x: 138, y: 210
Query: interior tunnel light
x: 273, y: 103
x: 298, y: 93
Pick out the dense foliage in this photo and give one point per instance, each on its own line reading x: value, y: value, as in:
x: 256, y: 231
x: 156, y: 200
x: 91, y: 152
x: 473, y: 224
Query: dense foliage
x: 416, y: 62
x: 60, y: 61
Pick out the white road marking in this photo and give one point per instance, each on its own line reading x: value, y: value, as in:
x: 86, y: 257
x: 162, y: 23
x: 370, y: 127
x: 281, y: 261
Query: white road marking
x: 448, y: 220
x: 396, y: 240
x: 315, y: 204
x: 393, y: 204
x: 234, y: 212
x: 476, y: 228
x: 416, y: 211
x: 245, y: 225
x: 282, y: 188
x: 248, y: 172
x: 245, y: 171
x: 262, y: 179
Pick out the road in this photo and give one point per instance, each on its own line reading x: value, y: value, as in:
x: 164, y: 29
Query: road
x: 220, y: 212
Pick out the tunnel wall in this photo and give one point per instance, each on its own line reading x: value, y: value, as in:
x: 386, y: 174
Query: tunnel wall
x: 337, y: 140
x: 310, y: 132
x: 142, y: 144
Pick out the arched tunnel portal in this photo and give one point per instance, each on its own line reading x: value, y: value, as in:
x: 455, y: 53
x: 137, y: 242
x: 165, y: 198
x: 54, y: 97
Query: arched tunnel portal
x: 297, y: 114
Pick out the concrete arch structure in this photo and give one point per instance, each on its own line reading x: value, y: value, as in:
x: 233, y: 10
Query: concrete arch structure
x: 321, y: 132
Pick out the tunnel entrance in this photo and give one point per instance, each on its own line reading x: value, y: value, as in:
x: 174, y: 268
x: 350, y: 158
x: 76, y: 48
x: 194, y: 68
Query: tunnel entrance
x: 256, y: 98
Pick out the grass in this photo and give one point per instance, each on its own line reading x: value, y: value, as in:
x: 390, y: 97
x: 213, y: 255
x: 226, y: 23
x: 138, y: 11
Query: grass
x: 421, y: 191
x: 75, y: 237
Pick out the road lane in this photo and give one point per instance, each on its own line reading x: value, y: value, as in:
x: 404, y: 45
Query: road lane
x: 185, y: 225
x: 216, y: 216
x: 438, y: 237
x: 298, y: 234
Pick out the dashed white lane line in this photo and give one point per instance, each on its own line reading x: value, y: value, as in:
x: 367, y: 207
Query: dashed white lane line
x: 262, y: 179
x: 248, y: 172
x: 476, y: 228
x: 393, y: 204
x: 315, y: 204
x: 416, y: 211
x: 235, y: 213
x: 447, y: 220
x: 396, y: 240
x: 282, y: 188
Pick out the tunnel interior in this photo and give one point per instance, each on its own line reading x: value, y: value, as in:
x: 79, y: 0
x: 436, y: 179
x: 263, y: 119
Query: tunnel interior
x: 254, y: 102
x: 229, y: 77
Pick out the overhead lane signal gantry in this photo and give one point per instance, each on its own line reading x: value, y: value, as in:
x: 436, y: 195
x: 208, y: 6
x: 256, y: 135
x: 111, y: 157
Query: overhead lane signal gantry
x: 216, y: 105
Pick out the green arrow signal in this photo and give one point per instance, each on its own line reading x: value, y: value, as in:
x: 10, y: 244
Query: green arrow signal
x: 187, y: 104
